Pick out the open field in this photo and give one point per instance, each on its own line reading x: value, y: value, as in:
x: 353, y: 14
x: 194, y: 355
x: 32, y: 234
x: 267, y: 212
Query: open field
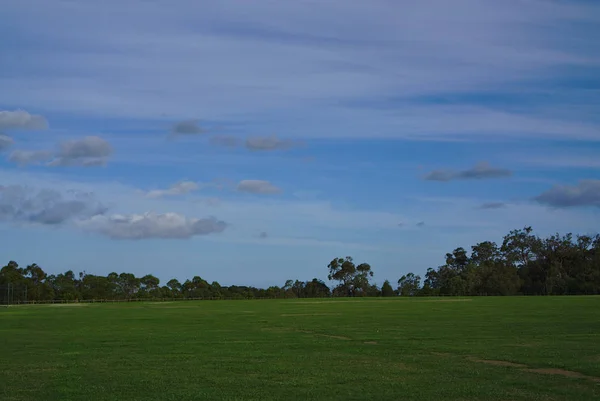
x: 514, y: 348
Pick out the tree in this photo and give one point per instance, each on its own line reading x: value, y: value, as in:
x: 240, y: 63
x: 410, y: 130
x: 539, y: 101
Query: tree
x: 387, y: 290
x: 65, y: 286
x: 174, y: 287
x: 149, y: 286
x: 353, y: 279
x: 298, y: 289
x: 12, y: 274
x: 129, y: 284
x: 520, y: 247
x: 409, y: 284
x: 316, y: 289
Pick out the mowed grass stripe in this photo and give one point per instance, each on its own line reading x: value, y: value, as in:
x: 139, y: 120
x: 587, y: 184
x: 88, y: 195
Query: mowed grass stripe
x: 340, y: 349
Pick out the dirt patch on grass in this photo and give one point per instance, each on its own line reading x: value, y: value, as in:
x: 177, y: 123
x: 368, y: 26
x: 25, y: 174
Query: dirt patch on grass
x: 497, y: 363
x: 325, y: 335
x: 371, y: 342
x: 441, y: 353
x: 313, y: 333
x: 543, y: 371
x: 563, y: 372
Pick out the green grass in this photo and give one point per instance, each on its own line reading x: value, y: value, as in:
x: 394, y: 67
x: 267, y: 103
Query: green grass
x: 368, y: 349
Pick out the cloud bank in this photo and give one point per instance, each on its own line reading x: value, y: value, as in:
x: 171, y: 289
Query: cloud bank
x: 585, y: 193
x: 21, y: 204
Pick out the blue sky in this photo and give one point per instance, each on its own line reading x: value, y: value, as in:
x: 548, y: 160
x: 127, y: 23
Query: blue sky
x: 252, y: 142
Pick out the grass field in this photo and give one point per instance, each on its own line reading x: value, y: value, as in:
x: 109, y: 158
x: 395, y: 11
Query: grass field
x: 514, y: 348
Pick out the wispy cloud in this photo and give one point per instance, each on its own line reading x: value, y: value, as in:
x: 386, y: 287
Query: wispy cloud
x: 26, y: 157
x: 493, y: 205
x: 258, y: 187
x: 241, y: 62
x: 5, y: 142
x: 259, y: 143
x: 179, y: 188
x: 482, y: 170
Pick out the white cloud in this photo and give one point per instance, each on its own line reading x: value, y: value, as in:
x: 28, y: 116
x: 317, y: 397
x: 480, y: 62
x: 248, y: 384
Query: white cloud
x: 23, y: 204
x: 20, y: 119
x: 585, y: 193
x: 257, y: 187
x: 152, y: 225
x: 87, y: 151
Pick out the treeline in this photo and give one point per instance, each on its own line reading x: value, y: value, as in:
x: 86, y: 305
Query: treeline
x: 524, y: 264
x: 33, y: 284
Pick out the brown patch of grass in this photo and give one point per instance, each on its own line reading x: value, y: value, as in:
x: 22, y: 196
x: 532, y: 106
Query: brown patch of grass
x: 289, y: 330
x: 325, y: 335
x: 543, y: 371
x: 497, y: 363
x: 564, y: 373
x: 371, y: 342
